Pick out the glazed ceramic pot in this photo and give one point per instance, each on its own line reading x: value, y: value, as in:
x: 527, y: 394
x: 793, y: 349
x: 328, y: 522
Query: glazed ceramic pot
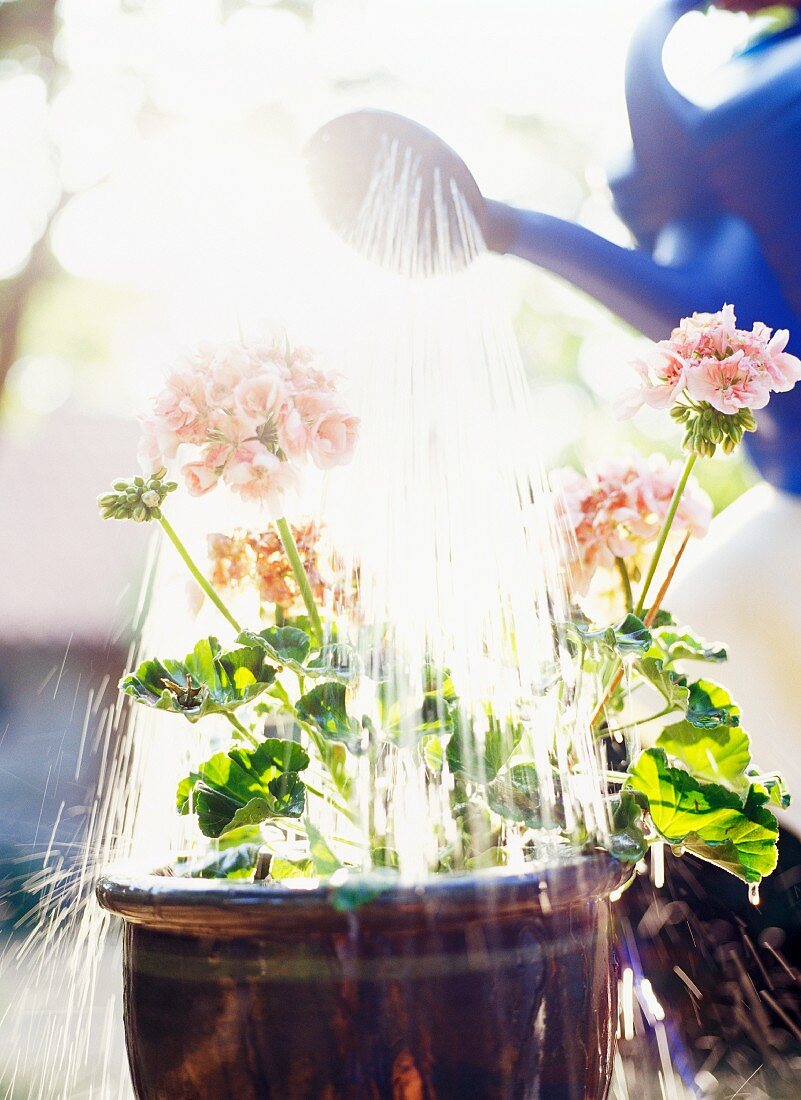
x: 493, y: 986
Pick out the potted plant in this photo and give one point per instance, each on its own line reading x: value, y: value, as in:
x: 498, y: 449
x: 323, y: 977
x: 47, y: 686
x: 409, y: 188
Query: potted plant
x: 295, y: 954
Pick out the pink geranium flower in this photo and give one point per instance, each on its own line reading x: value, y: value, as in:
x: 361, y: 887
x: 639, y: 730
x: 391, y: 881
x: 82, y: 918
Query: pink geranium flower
x: 616, y: 510
x: 729, y: 384
x: 712, y: 361
x: 250, y: 414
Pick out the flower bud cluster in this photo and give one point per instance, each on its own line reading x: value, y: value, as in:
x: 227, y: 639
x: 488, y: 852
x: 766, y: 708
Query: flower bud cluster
x: 706, y: 429
x: 138, y: 498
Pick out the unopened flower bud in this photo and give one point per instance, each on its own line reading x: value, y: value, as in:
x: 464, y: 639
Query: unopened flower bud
x: 136, y: 499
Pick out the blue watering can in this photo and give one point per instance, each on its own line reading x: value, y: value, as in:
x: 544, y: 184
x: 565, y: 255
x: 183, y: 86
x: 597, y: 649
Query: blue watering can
x: 711, y: 194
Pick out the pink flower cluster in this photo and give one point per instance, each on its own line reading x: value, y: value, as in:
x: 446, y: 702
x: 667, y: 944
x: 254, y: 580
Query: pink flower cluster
x: 617, y: 509
x: 712, y: 361
x: 249, y: 414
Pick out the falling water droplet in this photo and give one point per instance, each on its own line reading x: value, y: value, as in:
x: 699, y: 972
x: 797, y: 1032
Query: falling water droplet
x: 753, y: 893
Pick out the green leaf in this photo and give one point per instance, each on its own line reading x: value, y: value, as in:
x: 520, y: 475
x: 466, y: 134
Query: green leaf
x: 324, y: 860
x: 515, y: 795
x: 710, y: 705
x: 706, y: 819
x: 490, y: 857
x: 336, y: 661
x: 721, y: 754
x: 685, y: 647
x: 207, y: 681
x: 671, y: 685
x: 481, y: 765
x: 287, y: 645
x: 289, y: 868
x: 662, y: 618
x: 324, y: 707
x: 627, y: 841
x: 246, y: 786
x: 631, y: 636
x: 769, y: 788
x: 359, y: 889
x: 234, y: 863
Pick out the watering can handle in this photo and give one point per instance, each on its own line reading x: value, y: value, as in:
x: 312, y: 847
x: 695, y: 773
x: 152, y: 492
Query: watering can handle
x: 660, y: 117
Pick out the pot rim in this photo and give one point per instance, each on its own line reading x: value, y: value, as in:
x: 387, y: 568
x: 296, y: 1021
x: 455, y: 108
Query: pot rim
x: 203, y: 906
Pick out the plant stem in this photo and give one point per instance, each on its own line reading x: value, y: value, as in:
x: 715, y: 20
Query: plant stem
x: 329, y: 801
x: 169, y: 531
x: 649, y: 618
x: 663, y: 534
x: 291, y: 548
x: 251, y: 737
x: 641, y: 721
x: 624, y: 576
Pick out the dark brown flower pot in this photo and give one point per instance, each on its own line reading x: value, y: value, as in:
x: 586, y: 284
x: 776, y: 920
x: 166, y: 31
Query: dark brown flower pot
x: 493, y: 986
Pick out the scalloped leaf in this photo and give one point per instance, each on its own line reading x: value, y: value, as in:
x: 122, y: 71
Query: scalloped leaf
x: 235, y: 863
x: 631, y: 636
x: 721, y: 754
x: 672, y: 686
x: 246, y: 787
x: 515, y: 795
x: 706, y: 819
x: 207, y: 681
x: 481, y: 765
x: 710, y: 706
x: 627, y: 841
x: 684, y: 646
x: 323, y: 859
x: 325, y: 708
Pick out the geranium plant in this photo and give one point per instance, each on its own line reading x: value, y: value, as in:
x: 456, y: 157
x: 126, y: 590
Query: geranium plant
x: 696, y: 788
x: 251, y: 415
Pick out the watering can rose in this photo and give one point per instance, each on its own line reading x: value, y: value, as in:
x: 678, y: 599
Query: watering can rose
x: 250, y: 414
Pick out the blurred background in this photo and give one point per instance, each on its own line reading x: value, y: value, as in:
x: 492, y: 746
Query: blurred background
x: 152, y: 194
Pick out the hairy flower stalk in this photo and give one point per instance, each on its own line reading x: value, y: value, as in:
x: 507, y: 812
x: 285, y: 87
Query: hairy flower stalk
x: 301, y: 576
x: 663, y: 534
x: 140, y: 499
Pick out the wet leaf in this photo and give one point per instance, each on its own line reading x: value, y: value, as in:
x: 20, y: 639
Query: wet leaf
x: 630, y: 637
x: 323, y: 859
x: 207, y: 681
x: 515, y: 795
x: 289, y: 646
x: 246, y: 787
x: 710, y: 705
x: 627, y: 840
x: 325, y: 708
x: 721, y: 754
x: 672, y: 686
x: 291, y: 868
x: 707, y: 819
x: 685, y: 646
x: 467, y: 757
x: 234, y: 863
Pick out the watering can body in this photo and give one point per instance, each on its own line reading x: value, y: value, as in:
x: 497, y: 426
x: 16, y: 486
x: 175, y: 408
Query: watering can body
x: 711, y: 192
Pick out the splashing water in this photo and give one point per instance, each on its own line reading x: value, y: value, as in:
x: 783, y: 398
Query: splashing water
x: 444, y: 520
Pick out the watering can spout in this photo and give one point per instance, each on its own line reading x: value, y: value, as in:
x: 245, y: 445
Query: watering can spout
x: 648, y: 295
x: 701, y: 264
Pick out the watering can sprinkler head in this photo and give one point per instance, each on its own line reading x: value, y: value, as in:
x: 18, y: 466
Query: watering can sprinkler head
x: 712, y: 221
x: 365, y: 158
